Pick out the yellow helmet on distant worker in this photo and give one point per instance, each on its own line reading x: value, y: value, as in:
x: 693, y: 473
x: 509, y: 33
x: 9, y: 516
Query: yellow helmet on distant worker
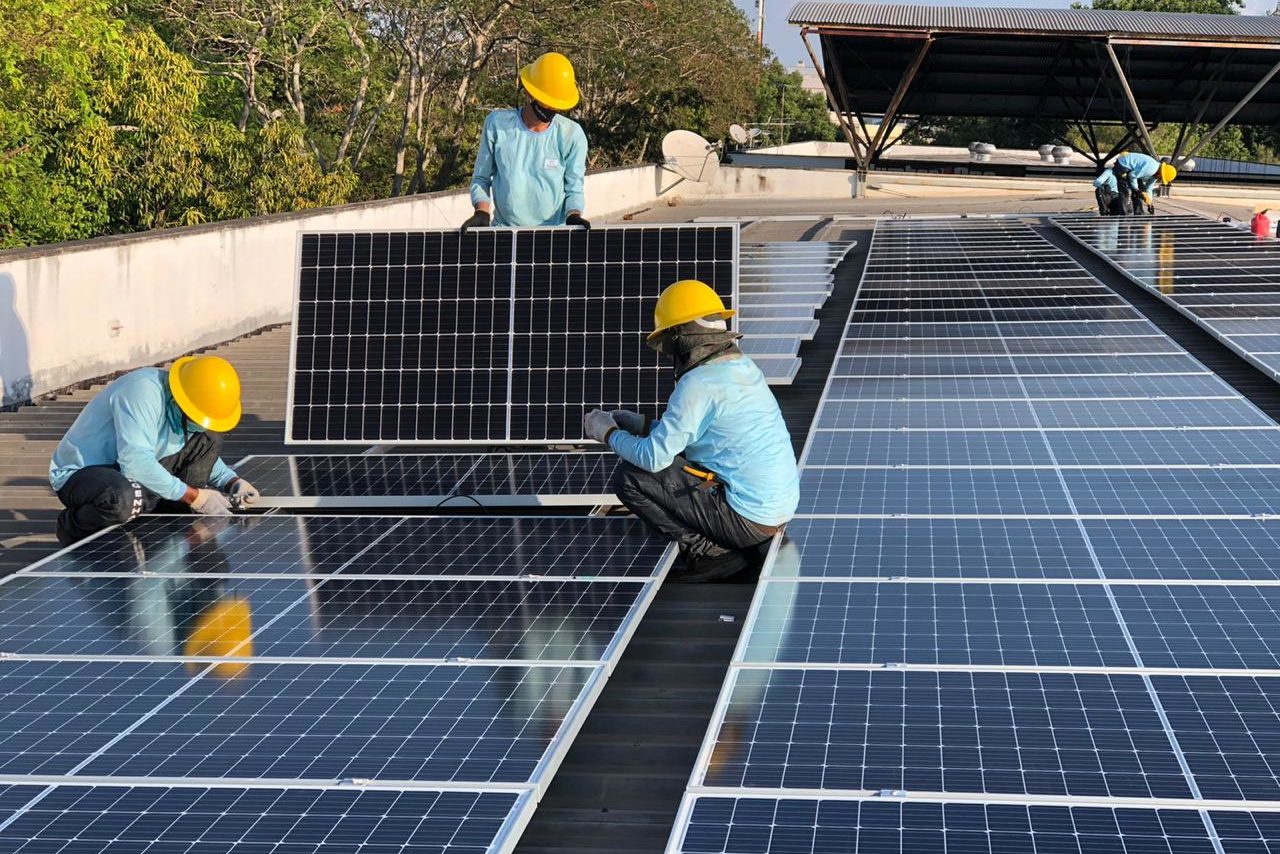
x: 550, y: 80
x: 684, y: 301
x: 223, y: 631
x: 207, y: 389
x: 1167, y: 173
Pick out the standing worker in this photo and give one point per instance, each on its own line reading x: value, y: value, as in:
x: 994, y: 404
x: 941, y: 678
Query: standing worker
x: 150, y: 440
x: 533, y: 160
x: 716, y: 472
x: 1132, y: 178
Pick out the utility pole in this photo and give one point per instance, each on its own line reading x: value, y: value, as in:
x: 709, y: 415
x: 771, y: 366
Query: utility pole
x: 760, y: 24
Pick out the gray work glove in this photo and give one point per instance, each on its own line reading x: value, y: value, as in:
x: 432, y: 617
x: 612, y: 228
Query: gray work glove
x: 632, y: 422
x: 211, y: 502
x: 598, y: 424
x: 243, y: 493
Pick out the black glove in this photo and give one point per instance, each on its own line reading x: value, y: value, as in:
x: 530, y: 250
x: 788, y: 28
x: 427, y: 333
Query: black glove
x: 575, y: 218
x: 479, y: 219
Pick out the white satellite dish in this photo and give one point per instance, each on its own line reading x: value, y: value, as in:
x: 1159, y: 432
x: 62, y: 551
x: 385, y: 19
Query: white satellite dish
x: 690, y: 156
x: 755, y: 133
x: 738, y: 134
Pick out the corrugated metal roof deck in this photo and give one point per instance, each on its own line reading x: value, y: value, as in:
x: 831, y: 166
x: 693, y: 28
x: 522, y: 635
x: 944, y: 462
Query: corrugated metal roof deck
x: 1084, y: 22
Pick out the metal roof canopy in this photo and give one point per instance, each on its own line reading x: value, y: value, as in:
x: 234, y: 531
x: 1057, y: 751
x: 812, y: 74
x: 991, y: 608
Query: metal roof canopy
x: 1088, y: 67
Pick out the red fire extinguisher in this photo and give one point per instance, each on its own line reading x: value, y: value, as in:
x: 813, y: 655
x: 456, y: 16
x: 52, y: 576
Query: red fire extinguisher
x: 1261, y: 224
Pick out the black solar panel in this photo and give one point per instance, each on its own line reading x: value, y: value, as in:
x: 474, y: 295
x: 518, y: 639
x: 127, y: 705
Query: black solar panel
x: 495, y: 336
x: 396, y: 481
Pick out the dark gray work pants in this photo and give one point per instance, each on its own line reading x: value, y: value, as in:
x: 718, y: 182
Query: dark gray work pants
x: 683, y: 508
x: 98, y: 497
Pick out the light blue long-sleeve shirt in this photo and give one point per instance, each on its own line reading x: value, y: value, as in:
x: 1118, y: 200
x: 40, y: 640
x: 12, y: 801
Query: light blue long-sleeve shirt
x: 530, y: 178
x: 1107, y: 179
x: 723, y: 417
x: 133, y: 423
x: 1142, y: 169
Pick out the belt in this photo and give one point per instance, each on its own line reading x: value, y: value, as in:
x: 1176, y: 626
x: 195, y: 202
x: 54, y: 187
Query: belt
x: 708, y: 479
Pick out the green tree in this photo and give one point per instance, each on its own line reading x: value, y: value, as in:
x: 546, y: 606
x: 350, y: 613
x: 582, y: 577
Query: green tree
x: 783, y: 98
x: 1202, y: 7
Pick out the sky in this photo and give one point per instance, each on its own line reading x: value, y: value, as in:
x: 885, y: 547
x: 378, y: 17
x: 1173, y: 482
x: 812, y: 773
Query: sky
x: 784, y: 39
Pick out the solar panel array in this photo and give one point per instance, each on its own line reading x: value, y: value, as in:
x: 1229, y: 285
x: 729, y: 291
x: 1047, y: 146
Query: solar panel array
x: 1031, y: 601
x: 781, y: 286
x: 305, y: 683
x: 495, y: 336
x: 1223, y: 278
x: 389, y: 481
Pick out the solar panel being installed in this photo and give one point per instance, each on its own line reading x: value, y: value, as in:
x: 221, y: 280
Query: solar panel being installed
x: 546, y: 478
x: 496, y: 336
x: 1006, y: 527
x: 413, y: 682
x: 1223, y: 278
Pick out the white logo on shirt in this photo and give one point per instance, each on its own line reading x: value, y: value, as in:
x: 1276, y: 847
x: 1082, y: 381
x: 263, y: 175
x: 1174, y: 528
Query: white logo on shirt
x: 551, y: 163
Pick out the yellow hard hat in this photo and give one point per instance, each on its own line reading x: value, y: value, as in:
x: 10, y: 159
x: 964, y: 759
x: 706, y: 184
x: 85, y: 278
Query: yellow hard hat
x: 207, y: 390
x: 1167, y: 173
x: 223, y: 631
x: 685, y: 301
x: 549, y: 79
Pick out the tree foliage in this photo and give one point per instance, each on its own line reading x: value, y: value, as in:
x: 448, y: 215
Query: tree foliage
x: 167, y: 112
x: 782, y: 98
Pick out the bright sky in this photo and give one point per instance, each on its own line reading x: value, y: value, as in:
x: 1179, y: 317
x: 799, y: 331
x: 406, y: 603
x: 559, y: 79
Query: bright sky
x: 784, y: 39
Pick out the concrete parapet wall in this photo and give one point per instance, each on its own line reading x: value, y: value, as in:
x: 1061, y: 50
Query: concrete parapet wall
x: 74, y: 311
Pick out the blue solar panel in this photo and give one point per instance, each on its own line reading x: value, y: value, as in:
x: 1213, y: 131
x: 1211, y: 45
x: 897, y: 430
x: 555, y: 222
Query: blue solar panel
x: 925, y: 623
x: 1012, y: 492
x: 1093, y: 735
x: 1203, y: 625
x: 194, y: 820
x: 934, y: 548
x: 927, y: 448
x: 1139, y: 448
x: 935, y: 415
x: 1186, y: 549
x: 321, y: 723
x: 749, y: 825
x: 1190, y: 492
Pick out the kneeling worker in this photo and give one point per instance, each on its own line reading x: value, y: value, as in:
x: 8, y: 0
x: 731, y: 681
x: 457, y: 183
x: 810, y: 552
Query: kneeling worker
x: 151, y: 441
x: 716, y: 473
x: 1130, y: 180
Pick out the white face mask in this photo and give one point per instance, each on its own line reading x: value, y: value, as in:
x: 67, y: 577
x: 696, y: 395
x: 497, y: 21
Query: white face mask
x: 715, y: 325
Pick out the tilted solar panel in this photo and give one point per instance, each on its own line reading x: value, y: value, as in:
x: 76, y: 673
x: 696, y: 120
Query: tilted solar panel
x: 495, y: 336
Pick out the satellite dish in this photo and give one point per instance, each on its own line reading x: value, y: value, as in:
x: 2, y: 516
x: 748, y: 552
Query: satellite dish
x: 755, y: 133
x: 738, y: 134
x: 1189, y: 165
x: 690, y: 156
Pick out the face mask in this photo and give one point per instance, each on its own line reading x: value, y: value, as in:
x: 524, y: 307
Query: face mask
x: 544, y: 114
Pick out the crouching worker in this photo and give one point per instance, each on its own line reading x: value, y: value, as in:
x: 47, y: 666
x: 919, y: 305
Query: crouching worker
x: 716, y: 472
x: 150, y: 441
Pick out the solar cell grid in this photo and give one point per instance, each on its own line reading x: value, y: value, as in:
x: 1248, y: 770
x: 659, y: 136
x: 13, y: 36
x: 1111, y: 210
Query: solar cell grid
x: 1215, y: 626
x: 748, y: 825
x: 1186, y: 549
x: 940, y: 548
x: 1150, y: 414
x: 1188, y: 492
x: 493, y: 336
x: 323, y: 723
x: 937, y: 415
x: 972, y: 624
x: 122, y: 820
x: 1140, y: 448
x: 1012, y: 492
x: 366, y: 545
x: 1013, y: 733
x: 433, y: 619
x: 926, y: 448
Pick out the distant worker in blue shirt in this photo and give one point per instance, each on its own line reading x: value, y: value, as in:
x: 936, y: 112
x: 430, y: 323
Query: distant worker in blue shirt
x: 1126, y: 187
x: 716, y: 473
x: 532, y: 161
x: 150, y: 440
